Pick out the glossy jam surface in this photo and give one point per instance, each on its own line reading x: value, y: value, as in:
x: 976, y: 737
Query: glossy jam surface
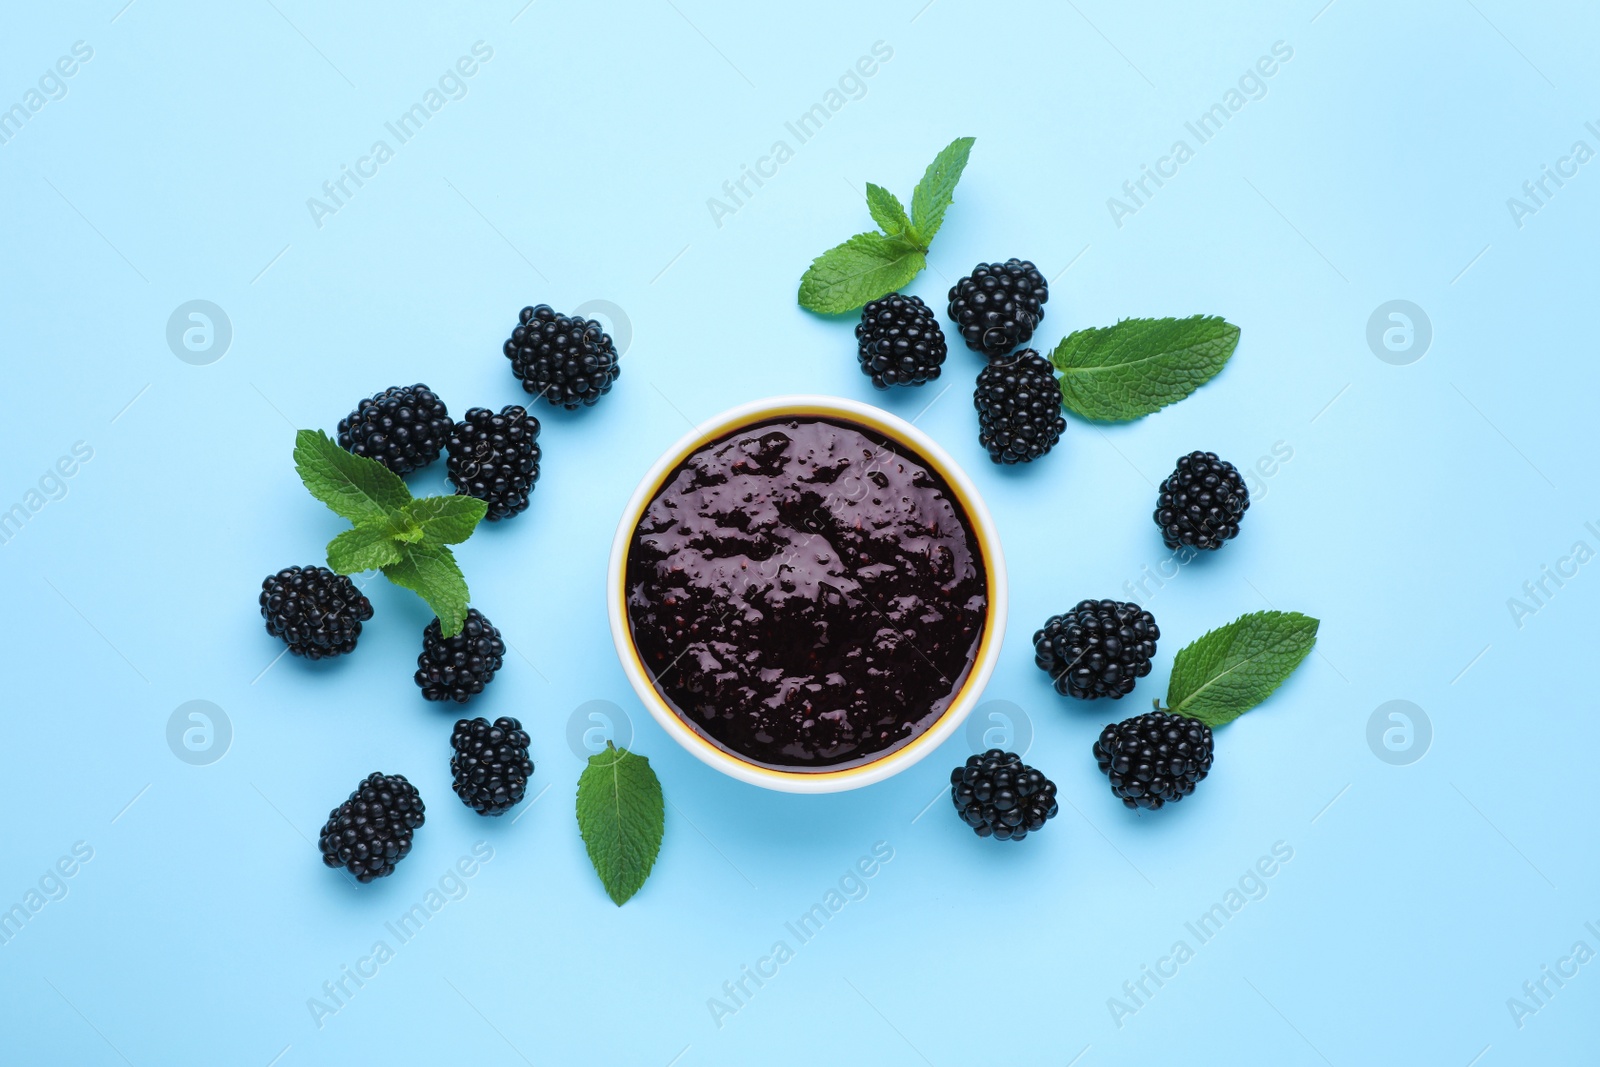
x: 806, y: 594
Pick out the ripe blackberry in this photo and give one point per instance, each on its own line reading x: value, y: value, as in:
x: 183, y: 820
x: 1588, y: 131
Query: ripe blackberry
x: 403, y: 427
x: 899, y: 341
x: 571, y: 362
x: 1098, y: 649
x: 317, y: 613
x: 495, y: 458
x: 459, y: 667
x: 371, y: 832
x: 1019, y: 407
x: 491, y: 764
x: 1201, y: 502
x: 1154, y: 758
x: 998, y: 306
x: 997, y: 794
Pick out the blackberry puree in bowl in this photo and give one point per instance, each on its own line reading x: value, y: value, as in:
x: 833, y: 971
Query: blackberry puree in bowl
x: 806, y: 593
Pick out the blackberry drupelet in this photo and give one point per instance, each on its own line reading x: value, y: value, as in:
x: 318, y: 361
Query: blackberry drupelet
x: 459, y: 667
x: 1019, y: 407
x: 1201, y: 502
x: 371, y: 832
x: 1098, y: 649
x: 999, y: 305
x: 998, y: 795
x: 403, y: 427
x: 570, y: 361
x: 317, y: 613
x: 1155, y: 758
x: 899, y: 341
x: 495, y: 458
x: 491, y: 764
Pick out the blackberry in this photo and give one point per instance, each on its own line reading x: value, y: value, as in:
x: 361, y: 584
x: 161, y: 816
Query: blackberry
x: 491, y: 764
x: 495, y: 458
x: 1019, y: 407
x: 371, y: 832
x: 459, y: 667
x: 998, y: 306
x: 1201, y: 502
x: 1154, y: 758
x: 997, y: 794
x: 317, y: 613
x: 403, y: 427
x: 571, y: 362
x: 1098, y: 649
x: 899, y: 341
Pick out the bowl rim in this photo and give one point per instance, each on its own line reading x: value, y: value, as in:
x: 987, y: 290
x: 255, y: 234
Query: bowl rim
x: 968, y: 499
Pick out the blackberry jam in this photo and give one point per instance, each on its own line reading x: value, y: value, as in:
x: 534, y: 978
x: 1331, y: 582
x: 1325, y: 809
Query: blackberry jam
x: 806, y: 594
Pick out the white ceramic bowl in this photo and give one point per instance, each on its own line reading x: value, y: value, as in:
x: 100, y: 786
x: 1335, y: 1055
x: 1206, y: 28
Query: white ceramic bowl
x: 895, y: 429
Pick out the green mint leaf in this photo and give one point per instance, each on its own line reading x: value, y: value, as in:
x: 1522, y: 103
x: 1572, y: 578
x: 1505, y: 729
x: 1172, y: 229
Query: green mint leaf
x: 445, y: 520
x: 363, y: 548
x: 937, y: 189
x: 886, y: 210
x: 355, y: 487
x: 1235, y: 667
x: 431, y: 572
x: 1138, y: 366
x: 863, y: 268
x: 621, y: 816
x: 870, y: 265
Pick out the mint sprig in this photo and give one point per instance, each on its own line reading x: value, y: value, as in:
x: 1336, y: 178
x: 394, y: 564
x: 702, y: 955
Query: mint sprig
x: 871, y: 264
x: 622, y: 817
x: 1139, y: 366
x: 405, y: 537
x: 1233, y: 668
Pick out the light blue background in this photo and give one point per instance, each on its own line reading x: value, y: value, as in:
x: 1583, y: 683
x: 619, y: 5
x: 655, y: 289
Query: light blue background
x: 578, y: 166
